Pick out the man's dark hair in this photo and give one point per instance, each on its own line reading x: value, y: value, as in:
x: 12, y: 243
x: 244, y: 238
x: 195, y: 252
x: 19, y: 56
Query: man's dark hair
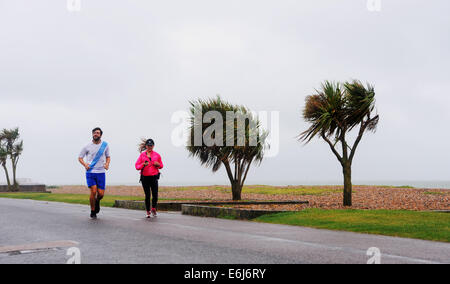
x: 98, y: 128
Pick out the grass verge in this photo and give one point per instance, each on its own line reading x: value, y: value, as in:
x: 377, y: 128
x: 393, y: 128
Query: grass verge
x: 399, y: 223
x: 228, y: 217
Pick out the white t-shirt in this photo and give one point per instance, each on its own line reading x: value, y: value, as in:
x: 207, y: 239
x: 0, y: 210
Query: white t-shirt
x: 90, y: 151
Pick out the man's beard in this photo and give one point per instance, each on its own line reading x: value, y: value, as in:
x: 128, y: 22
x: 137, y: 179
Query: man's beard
x: 96, y: 138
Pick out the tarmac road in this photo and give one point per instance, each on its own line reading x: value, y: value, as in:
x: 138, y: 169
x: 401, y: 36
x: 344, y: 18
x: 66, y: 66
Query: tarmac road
x: 42, y: 232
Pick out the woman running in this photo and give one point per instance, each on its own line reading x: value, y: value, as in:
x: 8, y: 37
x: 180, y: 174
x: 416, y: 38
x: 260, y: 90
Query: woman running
x: 149, y: 163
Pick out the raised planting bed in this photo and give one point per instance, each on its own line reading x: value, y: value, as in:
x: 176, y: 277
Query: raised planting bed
x: 224, y: 212
x: 177, y: 206
x: 27, y: 188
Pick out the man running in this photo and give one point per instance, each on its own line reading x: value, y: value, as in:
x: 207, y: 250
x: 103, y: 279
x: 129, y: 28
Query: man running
x: 98, y: 159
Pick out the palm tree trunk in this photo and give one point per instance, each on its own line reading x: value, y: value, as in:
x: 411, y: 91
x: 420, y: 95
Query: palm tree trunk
x: 236, y: 189
x: 15, y: 185
x: 347, y: 170
x: 7, y: 177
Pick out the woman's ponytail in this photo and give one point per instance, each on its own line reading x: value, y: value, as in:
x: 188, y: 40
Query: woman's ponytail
x: 142, y: 146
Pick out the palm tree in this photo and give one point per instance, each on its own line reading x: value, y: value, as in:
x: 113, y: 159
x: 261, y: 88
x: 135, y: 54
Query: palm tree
x: 218, y: 141
x: 3, y: 160
x: 14, y: 150
x: 334, y: 111
x: 15, y: 154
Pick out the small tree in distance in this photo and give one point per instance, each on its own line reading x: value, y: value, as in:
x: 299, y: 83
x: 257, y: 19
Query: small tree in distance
x: 3, y: 160
x: 228, y: 135
x: 12, y: 148
x: 333, y: 112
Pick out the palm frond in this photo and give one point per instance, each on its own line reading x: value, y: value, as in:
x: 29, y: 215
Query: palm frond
x: 213, y: 156
x: 360, y: 104
x: 324, y: 110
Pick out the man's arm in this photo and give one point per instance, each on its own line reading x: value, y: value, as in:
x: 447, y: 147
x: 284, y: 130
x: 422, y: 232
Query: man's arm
x: 81, y: 156
x: 108, y: 160
x: 86, y: 166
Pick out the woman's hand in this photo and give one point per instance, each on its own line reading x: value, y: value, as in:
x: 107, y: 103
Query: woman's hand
x: 156, y: 164
x: 146, y: 163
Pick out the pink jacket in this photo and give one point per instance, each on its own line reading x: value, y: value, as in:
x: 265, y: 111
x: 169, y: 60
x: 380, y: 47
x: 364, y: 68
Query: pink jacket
x: 150, y: 169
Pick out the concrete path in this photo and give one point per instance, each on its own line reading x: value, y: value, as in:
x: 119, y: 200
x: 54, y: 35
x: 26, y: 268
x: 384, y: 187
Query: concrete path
x: 42, y: 232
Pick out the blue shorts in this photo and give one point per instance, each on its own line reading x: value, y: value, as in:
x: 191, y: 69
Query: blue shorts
x: 96, y: 179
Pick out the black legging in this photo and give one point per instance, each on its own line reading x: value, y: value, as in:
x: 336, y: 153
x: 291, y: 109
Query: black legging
x: 147, y: 183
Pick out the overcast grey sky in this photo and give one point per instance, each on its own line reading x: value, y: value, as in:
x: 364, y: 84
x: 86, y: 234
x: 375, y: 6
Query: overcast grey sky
x: 127, y: 66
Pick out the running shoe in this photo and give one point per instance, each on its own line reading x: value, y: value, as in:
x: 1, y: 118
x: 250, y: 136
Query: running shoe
x: 148, y: 214
x: 154, y: 214
x: 93, y: 215
x: 97, y: 206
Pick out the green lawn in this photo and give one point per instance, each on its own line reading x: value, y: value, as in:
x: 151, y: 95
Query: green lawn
x: 107, y: 201
x: 401, y: 223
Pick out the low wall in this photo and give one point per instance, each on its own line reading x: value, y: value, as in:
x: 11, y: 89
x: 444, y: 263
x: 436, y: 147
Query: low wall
x: 441, y: 211
x: 140, y: 205
x: 177, y: 206
x: 27, y: 188
x: 209, y: 211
